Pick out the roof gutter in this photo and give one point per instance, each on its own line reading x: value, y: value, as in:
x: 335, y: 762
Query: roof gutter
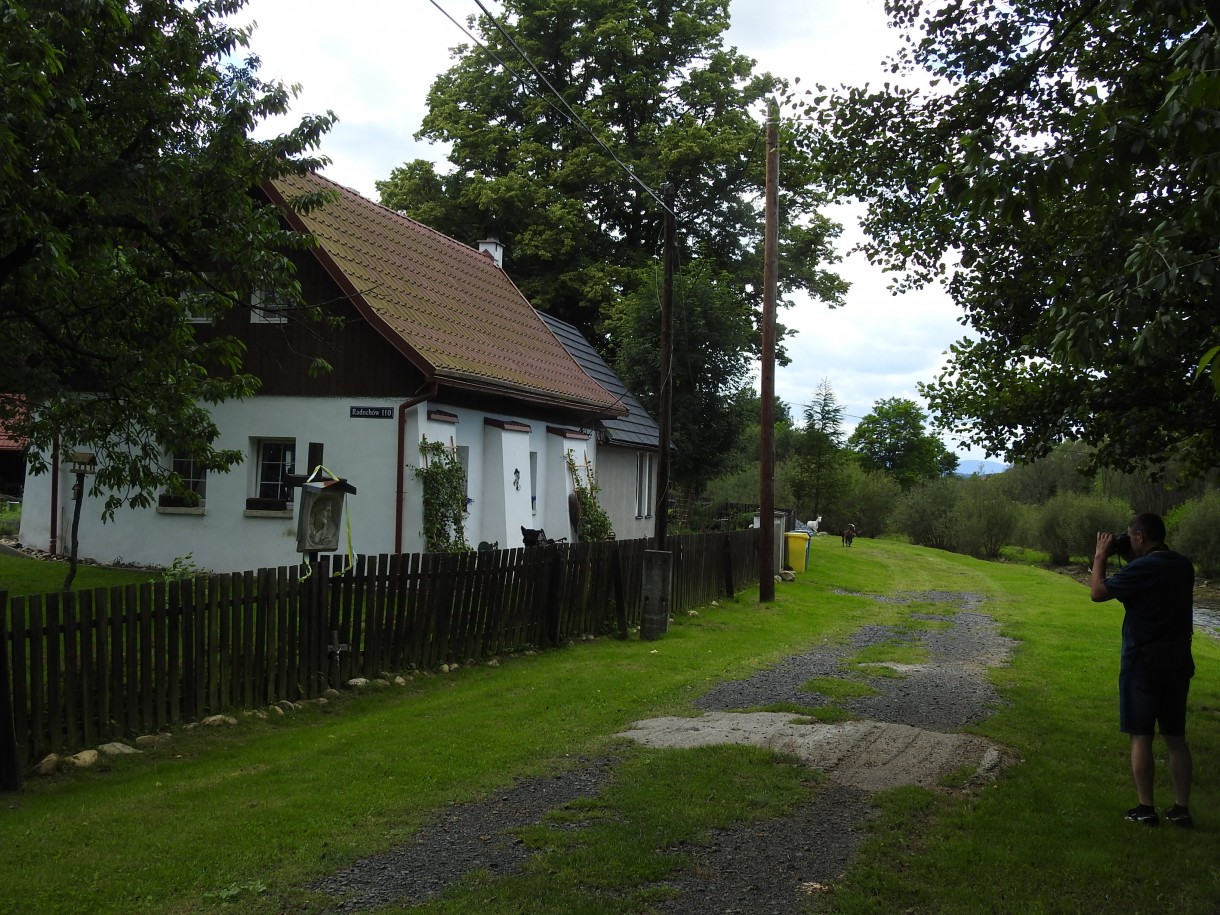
x: 429, y: 392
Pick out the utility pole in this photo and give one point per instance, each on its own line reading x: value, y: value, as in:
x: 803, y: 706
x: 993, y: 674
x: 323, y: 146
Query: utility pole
x: 665, y: 382
x: 766, y: 458
x: 656, y: 596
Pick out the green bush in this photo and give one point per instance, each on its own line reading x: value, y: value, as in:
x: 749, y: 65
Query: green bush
x: 10, y: 520
x: 927, y: 514
x: 1068, y: 523
x: 984, y: 519
x: 1193, y: 530
x: 866, y: 500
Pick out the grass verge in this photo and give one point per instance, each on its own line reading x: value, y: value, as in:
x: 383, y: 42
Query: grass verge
x: 245, y: 819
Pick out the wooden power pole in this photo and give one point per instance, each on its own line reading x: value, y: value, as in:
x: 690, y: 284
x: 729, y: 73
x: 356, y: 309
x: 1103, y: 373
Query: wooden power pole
x: 665, y: 390
x: 766, y: 458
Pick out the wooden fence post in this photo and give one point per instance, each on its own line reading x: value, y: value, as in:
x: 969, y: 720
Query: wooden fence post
x: 730, y: 586
x: 620, y: 590
x: 10, y: 772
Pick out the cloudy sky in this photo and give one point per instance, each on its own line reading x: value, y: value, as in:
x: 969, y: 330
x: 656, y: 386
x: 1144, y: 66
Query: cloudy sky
x: 371, y: 62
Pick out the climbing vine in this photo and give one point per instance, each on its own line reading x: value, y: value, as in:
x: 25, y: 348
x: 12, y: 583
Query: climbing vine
x: 594, y: 524
x: 444, y: 481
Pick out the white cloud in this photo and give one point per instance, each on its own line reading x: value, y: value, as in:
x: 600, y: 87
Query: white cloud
x: 372, y: 63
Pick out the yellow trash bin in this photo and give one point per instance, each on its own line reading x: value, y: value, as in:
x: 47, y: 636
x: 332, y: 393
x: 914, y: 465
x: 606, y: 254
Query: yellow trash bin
x: 798, y: 548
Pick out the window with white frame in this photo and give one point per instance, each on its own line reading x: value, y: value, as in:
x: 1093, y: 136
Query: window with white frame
x: 194, y: 478
x: 263, y: 309
x: 534, y: 481
x: 276, y: 461
x: 645, y: 467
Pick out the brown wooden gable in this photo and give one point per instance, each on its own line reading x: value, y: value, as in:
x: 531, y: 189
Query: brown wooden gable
x: 447, y: 309
x: 364, y: 364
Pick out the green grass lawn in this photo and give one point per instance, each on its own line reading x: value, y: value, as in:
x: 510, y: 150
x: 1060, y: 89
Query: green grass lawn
x: 242, y: 820
x: 21, y: 576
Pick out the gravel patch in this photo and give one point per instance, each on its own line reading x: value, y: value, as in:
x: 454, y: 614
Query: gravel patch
x: 466, y: 838
x: 757, y: 868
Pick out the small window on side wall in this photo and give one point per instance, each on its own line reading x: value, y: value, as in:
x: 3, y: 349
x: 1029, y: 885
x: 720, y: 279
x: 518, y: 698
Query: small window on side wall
x: 644, y: 472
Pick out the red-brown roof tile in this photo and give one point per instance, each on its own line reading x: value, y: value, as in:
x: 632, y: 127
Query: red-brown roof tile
x: 445, y: 305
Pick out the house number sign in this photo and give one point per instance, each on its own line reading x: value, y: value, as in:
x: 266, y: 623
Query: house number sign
x: 371, y: 412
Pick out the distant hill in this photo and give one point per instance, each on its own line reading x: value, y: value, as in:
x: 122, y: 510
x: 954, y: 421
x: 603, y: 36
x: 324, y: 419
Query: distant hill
x: 968, y: 468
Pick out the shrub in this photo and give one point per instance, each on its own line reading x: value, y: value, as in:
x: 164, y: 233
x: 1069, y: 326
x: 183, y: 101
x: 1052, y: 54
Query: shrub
x: 1193, y: 531
x: 867, y: 501
x: 984, y: 519
x: 1068, y: 523
x: 927, y: 512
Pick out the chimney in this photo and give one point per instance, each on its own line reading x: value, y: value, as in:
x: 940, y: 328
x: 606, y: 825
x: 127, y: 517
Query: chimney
x: 493, y: 249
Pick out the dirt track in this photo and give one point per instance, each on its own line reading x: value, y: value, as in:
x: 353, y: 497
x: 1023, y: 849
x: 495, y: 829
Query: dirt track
x: 908, y: 732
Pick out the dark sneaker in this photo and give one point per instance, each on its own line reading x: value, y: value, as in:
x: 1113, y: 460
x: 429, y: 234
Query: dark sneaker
x: 1143, y: 814
x: 1180, y: 817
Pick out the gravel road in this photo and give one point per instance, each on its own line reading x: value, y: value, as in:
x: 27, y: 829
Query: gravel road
x: 757, y: 868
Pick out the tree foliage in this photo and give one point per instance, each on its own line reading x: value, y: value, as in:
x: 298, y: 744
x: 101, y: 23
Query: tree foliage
x: 126, y: 171
x: 894, y: 439
x: 821, y: 452
x: 565, y: 165
x: 1062, y: 162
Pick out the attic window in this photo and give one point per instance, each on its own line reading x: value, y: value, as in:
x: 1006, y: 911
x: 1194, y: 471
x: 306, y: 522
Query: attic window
x: 262, y: 311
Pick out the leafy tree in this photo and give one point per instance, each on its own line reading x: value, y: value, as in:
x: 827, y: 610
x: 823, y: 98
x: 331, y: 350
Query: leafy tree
x: 818, y: 466
x: 984, y: 518
x: 126, y: 171
x: 1063, y: 159
x: 714, y: 414
x: 562, y: 165
x: 867, y: 500
x: 1059, y: 471
x: 927, y: 513
x: 893, y: 439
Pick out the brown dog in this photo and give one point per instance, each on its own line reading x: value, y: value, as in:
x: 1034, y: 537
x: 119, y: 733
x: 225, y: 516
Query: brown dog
x: 849, y: 534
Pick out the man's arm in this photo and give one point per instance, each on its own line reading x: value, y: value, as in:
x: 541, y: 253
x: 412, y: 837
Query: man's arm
x: 1097, y: 572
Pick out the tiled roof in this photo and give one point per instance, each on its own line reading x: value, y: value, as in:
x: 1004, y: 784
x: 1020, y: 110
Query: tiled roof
x: 448, y: 307
x: 637, y: 429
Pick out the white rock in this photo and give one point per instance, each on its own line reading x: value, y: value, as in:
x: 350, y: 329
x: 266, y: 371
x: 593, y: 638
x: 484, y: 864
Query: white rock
x: 49, y: 765
x: 215, y: 721
x: 358, y: 682
x: 84, y: 759
x: 153, y: 740
x: 399, y: 681
x: 117, y: 749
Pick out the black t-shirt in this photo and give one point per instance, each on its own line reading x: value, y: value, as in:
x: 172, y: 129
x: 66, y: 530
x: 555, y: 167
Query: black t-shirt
x: 1157, y: 591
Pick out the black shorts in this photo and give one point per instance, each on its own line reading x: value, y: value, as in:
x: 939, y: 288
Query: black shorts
x: 1146, y: 700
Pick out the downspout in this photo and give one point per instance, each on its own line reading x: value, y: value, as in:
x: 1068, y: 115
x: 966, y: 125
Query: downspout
x: 403, y: 407
x: 52, y: 546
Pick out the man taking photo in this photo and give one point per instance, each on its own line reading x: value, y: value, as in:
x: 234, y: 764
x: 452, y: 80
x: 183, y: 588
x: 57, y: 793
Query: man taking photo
x: 1156, y: 589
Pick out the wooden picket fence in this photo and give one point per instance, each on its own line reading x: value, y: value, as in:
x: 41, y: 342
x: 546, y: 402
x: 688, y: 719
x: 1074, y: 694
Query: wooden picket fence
x: 92, y: 666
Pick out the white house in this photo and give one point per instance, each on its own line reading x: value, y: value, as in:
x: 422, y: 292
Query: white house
x: 432, y: 341
x: 627, y: 446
